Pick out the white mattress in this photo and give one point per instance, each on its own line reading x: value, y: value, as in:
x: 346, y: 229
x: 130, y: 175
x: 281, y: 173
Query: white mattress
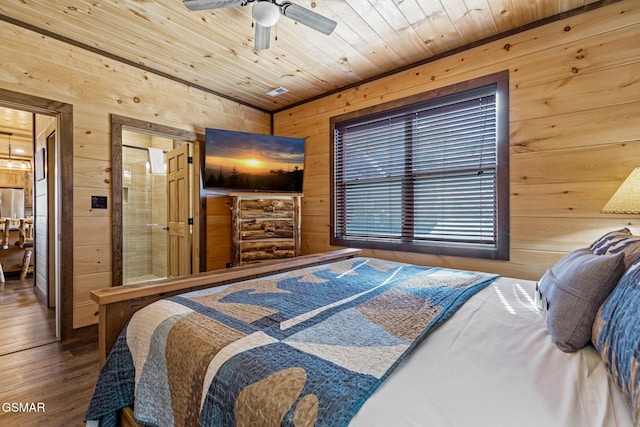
x: 493, y: 364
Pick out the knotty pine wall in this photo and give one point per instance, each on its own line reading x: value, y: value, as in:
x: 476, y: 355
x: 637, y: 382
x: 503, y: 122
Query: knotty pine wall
x: 574, y: 134
x: 97, y: 87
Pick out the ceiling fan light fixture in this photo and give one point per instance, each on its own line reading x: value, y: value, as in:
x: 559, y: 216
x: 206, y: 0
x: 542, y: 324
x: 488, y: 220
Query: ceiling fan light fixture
x: 265, y: 13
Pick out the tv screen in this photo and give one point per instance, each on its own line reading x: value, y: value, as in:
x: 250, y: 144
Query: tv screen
x: 241, y: 161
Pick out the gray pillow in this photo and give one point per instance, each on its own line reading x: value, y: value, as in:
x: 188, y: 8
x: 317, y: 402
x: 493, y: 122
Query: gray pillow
x: 572, y: 291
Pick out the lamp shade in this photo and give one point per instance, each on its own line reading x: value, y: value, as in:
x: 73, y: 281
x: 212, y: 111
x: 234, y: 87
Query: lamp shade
x: 626, y: 200
x: 265, y: 13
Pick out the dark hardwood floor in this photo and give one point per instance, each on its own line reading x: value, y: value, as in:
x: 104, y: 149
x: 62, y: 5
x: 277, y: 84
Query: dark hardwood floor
x: 53, y: 379
x: 25, y: 322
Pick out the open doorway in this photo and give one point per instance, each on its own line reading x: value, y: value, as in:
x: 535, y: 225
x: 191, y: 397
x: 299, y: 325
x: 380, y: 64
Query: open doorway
x: 156, y: 203
x: 28, y: 304
x: 51, y: 162
x: 148, y: 204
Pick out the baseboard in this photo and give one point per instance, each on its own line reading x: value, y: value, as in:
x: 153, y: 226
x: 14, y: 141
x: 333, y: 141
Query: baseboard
x: 40, y: 295
x: 90, y: 331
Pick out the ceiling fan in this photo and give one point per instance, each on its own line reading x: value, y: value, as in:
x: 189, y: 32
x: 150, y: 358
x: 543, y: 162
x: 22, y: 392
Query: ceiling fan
x: 266, y: 14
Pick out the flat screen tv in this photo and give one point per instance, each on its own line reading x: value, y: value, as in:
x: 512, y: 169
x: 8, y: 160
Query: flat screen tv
x: 241, y: 161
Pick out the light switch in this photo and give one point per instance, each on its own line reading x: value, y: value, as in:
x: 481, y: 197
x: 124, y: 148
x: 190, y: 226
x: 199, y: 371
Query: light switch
x: 98, y: 202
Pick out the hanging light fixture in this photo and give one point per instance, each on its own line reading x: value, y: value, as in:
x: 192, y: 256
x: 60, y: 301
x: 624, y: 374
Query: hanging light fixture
x: 9, y: 161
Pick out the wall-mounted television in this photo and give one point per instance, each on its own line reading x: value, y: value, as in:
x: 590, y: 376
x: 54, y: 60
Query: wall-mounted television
x: 241, y: 161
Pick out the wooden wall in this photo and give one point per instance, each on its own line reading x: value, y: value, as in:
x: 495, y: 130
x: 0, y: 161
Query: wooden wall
x: 574, y: 133
x: 96, y: 87
x: 218, y: 232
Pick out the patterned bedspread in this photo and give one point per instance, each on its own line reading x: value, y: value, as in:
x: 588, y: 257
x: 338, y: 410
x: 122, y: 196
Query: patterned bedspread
x: 302, y: 348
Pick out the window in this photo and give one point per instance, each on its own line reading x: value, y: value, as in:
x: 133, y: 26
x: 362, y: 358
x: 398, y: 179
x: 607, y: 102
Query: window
x: 427, y: 174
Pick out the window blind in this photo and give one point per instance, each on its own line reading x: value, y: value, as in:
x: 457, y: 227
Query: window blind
x: 425, y: 174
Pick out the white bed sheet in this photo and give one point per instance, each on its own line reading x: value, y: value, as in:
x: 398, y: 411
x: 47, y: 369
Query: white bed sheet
x: 493, y: 364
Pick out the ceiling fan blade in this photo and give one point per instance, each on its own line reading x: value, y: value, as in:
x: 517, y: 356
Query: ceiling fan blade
x: 308, y: 18
x: 263, y: 35
x: 213, y: 4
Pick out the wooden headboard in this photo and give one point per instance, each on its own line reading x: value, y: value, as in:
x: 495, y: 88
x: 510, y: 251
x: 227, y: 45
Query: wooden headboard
x: 117, y: 304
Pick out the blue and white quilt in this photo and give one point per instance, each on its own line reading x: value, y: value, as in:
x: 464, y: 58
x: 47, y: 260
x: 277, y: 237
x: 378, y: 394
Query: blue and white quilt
x: 301, y: 348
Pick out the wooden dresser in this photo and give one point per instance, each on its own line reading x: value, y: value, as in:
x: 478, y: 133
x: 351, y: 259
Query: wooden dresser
x: 264, y: 226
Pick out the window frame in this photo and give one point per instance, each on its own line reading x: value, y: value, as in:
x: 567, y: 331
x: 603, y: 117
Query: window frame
x: 502, y: 247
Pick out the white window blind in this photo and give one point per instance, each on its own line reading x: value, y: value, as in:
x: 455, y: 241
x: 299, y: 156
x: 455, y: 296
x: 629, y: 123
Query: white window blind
x: 422, y: 175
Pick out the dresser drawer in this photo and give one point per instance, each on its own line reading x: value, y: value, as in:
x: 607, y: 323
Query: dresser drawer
x: 252, y: 229
x: 266, y: 208
x: 257, y: 251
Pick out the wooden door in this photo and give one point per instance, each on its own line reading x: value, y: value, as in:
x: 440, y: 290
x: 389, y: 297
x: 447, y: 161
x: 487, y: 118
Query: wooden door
x: 178, y: 202
x: 44, y: 211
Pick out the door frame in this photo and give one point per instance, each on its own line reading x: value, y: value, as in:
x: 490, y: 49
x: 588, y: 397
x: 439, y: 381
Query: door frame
x: 64, y: 218
x: 120, y: 123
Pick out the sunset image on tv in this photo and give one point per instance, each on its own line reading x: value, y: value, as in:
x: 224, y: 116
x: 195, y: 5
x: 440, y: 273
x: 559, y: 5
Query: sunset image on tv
x: 253, y: 162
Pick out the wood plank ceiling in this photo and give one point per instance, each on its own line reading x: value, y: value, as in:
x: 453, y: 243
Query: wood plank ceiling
x: 213, y: 49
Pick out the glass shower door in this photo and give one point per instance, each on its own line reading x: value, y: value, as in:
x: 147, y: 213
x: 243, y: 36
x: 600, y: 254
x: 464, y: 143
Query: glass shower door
x: 144, y: 204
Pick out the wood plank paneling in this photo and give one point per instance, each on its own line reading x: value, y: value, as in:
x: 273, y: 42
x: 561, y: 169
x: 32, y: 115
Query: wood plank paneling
x: 613, y: 86
x: 87, y: 144
x: 92, y: 173
x: 92, y: 259
x: 603, y: 162
x: 218, y: 231
x: 84, y: 284
x: 564, y: 234
x: 580, y: 57
x: 567, y: 199
x: 575, y: 129
x: 91, y: 230
x: 82, y: 201
x: 574, y: 133
x: 84, y: 313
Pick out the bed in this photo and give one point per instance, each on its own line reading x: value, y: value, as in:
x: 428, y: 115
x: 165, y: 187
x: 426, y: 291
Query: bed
x: 476, y: 349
